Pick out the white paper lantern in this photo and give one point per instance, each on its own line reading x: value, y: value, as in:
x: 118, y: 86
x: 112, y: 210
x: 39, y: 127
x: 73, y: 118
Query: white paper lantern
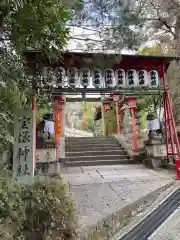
x: 143, y: 78
x: 153, y: 78
x: 132, y: 78
x: 97, y: 78
x: 60, y: 74
x: 72, y: 76
x: 85, y: 77
x: 120, y: 77
x: 109, y: 78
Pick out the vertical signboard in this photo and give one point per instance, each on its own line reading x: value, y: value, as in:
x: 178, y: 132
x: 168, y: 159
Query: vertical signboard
x: 23, y: 152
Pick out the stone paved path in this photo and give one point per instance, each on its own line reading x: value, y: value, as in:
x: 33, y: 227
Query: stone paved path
x: 72, y: 132
x: 100, y: 191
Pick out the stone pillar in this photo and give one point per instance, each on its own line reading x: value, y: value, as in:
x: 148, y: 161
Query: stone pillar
x: 156, y: 155
x: 103, y: 119
x: 62, y: 132
x: 127, y: 124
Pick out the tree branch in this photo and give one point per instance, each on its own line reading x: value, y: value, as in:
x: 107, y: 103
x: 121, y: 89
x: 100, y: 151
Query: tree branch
x: 167, y: 26
x: 87, y: 39
x: 162, y: 20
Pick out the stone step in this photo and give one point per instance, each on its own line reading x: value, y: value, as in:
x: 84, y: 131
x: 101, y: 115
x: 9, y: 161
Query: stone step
x: 95, y: 152
x: 97, y: 162
x: 89, y: 145
x: 97, y: 157
x: 90, y: 142
x: 89, y: 138
x: 82, y: 148
x: 92, y: 151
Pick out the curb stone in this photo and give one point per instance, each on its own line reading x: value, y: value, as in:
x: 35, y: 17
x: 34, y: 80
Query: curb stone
x: 147, y: 210
x: 110, y: 225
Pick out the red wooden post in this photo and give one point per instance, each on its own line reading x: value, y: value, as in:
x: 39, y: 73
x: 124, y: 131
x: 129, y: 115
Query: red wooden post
x: 166, y: 126
x: 170, y: 123
x: 58, y: 107
x: 168, y: 120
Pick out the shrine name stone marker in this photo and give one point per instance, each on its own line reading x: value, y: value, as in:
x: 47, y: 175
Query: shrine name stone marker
x: 23, y: 151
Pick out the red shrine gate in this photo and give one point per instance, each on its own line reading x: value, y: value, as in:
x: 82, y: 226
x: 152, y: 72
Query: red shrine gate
x: 133, y: 74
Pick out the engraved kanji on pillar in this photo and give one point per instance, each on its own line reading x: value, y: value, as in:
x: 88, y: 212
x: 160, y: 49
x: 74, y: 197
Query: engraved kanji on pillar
x: 23, y: 157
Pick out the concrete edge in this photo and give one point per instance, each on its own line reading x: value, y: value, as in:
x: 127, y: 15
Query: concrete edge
x: 136, y: 157
x: 147, y: 210
x: 121, y: 141
x: 106, y: 228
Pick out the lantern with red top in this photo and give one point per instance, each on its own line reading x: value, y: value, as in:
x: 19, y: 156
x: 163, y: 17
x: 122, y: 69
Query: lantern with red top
x: 116, y: 97
x: 131, y: 101
x: 106, y: 106
x: 59, y: 102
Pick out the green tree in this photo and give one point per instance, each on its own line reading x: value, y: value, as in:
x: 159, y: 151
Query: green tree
x: 173, y: 74
x: 116, y: 24
x: 24, y: 25
x: 87, y: 114
x: 149, y: 103
x: 35, y: 24
x: 128, y: 24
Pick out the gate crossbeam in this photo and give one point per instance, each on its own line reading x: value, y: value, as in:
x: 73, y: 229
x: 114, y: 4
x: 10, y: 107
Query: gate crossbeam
x: 91, y: 91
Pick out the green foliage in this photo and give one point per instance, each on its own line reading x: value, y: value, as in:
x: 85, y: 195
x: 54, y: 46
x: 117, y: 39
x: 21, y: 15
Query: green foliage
x: 142, y: 120
x: 43, y: 210
x: 130, y: 23
x: 87, y: 111
x: 38, y: 24
x: 42, y: 111
x: 35, y: 24
x: 14, y: 94
x: 11, y: 99
x: 110, y: 122
x: 118, y: 24
x: 149, y: 103
x: 173, y: 83
x: 153, y: 50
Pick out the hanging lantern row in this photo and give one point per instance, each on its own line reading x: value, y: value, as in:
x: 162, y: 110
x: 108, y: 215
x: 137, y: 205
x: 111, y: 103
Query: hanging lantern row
x: 110, y: 78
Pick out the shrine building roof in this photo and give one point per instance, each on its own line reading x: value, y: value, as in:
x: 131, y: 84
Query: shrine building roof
x: 101, y: 60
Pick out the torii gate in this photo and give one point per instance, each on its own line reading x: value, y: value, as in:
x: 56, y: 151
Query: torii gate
x: 110, y: 64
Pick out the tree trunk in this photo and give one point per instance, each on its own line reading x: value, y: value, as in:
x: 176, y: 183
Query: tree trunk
x: 177, y: 36
x: 176, y: 80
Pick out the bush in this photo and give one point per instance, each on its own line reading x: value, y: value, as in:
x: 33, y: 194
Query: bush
x: 40, y: 211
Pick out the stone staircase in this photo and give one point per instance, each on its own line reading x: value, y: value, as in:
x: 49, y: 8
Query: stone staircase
x: 93, y: 151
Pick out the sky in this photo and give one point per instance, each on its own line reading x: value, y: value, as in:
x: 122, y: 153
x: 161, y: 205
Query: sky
x: 90, y: 33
